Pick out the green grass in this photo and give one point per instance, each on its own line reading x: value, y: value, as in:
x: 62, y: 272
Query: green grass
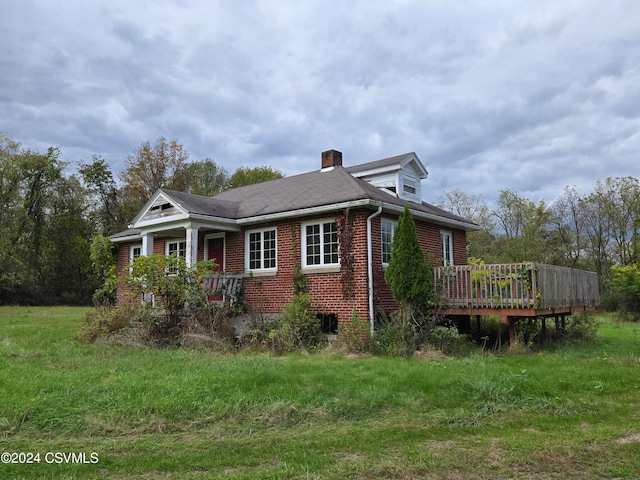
x: 571, y: 412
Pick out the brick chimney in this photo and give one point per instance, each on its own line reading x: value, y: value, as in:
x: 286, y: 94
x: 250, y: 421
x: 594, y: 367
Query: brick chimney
x: 331, y: 158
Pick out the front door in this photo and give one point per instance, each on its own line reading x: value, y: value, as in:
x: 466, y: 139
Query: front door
x: 215, y: 251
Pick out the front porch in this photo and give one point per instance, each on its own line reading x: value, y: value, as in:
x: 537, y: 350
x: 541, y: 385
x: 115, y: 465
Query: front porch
x: 516, y: 290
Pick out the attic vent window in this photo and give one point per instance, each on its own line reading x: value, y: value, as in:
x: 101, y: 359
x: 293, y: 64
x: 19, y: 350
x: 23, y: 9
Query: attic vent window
x: 409, y: 186
x: 162, y: 207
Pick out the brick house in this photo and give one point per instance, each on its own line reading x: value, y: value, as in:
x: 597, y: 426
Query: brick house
x: 305, y: 224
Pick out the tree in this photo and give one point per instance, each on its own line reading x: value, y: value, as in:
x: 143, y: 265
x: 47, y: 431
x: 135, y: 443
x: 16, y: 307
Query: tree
x: 11, y: 217
x: 103, y: 257
x: 105, y: 197
x: 525, y: 226
x: 40, y: 172
x: 149, y: 168
x: 568, y: 220
x: 625, y: 283
x: 474, y: 208
x: 408, y: 275
x: 248, y: 176
x: 201, y: 178
x: 66, y: 268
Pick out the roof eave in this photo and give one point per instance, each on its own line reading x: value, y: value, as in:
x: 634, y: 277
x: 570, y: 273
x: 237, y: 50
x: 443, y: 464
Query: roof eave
x: 443, y: 221
x: 126, y: 239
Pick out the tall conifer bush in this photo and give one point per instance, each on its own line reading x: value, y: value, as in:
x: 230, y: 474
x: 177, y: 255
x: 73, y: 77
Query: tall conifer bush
x: 408, y: 274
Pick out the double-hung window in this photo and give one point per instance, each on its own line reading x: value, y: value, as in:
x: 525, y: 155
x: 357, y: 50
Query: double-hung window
x: 175, y: 248
x: 261, y: 249
x: 447, y: 248
x: 134, y: 252
x: 388, y: 229
x: 320, y: 244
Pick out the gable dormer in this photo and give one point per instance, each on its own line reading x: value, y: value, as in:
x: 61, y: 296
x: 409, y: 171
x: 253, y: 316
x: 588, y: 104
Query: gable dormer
x: 400, y: 176
x: 160, y: 206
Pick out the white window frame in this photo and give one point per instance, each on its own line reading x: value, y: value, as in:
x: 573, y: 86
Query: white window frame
x: 303, y: 243
x: 178, y: 241
x: 446, y: 238
x: 394, y: 226
x: 410, y: 183
x: 172, y: 269
x: 132, y: 255
x: 247, y: 250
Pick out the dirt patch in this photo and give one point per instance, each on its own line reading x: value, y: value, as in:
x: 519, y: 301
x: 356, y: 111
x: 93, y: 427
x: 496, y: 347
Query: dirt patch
x: 431, y: 354
x: 635, y: 438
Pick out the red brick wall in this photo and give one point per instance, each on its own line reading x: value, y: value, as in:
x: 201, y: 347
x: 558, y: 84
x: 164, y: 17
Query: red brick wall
x: 268, y: 294
x: 431, y: 244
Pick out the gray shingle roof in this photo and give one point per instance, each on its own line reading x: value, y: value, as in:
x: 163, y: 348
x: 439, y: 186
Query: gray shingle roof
x: 200, y: 205
x: 315, y: 189
x: 385, y: 162
x: 299, y: 192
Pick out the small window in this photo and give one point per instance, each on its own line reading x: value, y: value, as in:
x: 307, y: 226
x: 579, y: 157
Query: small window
x: 261, y: 250
x: 320, y: 244
x: 134, y: 252
x: 328, y: 323
x: 388, y: 229
x: 447, y: 248
x: 409, y: 186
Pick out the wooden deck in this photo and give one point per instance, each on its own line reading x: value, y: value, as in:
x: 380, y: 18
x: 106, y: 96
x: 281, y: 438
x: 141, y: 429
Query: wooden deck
x: 516, y: 290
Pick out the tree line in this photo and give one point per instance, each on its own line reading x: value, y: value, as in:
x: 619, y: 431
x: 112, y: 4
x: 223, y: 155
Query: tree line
x: 52, y: 210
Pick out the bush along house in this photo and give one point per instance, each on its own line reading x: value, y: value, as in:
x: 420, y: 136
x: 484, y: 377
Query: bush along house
x: 334, y: 225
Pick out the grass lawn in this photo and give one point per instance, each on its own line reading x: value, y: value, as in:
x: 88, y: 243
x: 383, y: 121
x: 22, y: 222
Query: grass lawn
x: 570, y: 413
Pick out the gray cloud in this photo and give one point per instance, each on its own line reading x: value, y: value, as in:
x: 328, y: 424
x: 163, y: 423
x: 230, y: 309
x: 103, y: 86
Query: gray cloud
x: 530, y: 96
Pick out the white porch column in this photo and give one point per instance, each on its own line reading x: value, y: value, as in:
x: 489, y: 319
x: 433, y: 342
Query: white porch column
x: 147, y: 244
x: 192, y: 246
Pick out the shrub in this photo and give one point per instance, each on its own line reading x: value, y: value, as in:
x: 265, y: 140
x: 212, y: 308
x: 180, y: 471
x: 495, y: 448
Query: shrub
x: 396, y: 337
x: 106, y: 319
x: 299, y: 326
x: 210, y: 320
x: 449, y: 341
x: 355, y: 335
x: 582, y: 326
x: 258, y: 333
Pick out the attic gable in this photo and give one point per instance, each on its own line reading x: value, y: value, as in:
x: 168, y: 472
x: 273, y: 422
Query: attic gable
x: 160, y: 205
x: 400, y: 175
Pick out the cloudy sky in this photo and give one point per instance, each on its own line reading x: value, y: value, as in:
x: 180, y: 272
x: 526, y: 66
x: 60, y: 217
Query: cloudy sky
x: 491, y: 94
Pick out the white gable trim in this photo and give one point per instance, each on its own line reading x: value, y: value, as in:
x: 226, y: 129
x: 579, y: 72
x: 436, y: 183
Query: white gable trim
x: 157, y: 201
x: 412, y: 158
x: 417, y: 164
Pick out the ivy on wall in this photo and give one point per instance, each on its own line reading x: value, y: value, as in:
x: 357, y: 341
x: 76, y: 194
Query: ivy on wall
x: 344, y: 225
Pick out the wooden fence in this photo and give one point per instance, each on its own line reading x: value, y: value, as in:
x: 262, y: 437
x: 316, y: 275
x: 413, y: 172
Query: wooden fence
x: 517, y: 285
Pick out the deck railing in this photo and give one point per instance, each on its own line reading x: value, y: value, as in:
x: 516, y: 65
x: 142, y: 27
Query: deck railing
x: 517, y: 285
x: 223, y: 285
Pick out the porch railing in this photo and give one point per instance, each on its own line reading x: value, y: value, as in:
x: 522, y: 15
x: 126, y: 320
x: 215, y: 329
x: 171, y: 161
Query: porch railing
x: 223, y: 285
x: 517, y: 285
